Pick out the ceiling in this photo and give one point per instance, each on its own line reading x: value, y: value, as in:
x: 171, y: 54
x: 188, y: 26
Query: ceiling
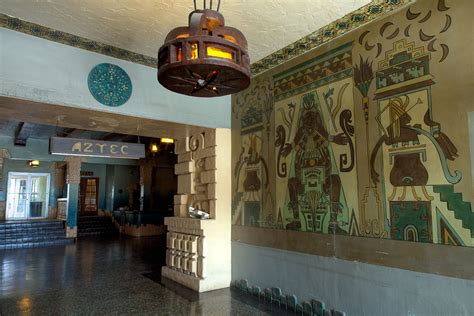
x: 141, y: 26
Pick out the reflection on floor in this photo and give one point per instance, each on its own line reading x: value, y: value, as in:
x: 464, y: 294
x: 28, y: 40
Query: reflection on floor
x: 110, y: 275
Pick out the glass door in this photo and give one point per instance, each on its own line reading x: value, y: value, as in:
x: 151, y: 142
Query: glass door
x: 27, y: 195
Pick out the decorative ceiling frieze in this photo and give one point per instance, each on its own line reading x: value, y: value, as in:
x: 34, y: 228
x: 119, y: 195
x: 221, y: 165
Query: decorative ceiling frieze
x: 47, y: 33
x: 329, y: 32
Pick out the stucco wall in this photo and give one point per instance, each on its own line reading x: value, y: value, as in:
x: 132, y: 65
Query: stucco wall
x: 354, y: 287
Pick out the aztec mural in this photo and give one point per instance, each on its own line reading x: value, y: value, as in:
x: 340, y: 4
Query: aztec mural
x: 351, y: 141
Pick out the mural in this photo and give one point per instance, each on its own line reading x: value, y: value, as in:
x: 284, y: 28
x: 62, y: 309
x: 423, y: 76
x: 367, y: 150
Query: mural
x: 352, y: 142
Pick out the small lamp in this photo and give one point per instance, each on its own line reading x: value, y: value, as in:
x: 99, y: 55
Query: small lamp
x: 154, y: 148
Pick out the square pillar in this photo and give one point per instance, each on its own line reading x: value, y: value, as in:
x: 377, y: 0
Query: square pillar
x: 73, y: 180
x: 72, y: 209
x: 198, y: 252
x: 4, y: 154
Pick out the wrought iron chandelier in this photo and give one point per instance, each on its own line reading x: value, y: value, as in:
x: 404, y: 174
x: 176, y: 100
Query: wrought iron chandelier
x: 206, y: 58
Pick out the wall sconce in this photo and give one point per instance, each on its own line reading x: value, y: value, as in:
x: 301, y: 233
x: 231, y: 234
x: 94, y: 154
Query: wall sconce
x: 34, y: 163
x: 167, y: 141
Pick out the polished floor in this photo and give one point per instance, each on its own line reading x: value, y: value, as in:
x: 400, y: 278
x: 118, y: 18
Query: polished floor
x: 105, y: 276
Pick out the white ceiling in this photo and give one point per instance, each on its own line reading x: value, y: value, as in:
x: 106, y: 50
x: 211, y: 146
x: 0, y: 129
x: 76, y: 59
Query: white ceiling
x: 141, y: 25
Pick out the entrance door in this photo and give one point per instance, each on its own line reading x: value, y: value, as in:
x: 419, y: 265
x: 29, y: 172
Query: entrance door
x: 27, y: 195
x: 89, y: 196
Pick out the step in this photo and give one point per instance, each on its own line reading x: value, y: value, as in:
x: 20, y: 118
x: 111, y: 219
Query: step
x: 37, y: 244
x: 30, y: 239
x: 6, y: 226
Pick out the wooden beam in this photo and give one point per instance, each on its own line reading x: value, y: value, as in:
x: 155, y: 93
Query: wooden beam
x: 72, y: 117
x: 23, y: 132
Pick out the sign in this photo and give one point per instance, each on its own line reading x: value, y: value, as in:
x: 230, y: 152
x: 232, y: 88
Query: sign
x: 95, y: 148
x: 87, y: 173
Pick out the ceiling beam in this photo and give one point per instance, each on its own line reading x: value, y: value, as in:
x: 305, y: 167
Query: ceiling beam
x: 75, y: 133
x: 23, y: 132
x: 72, y: 117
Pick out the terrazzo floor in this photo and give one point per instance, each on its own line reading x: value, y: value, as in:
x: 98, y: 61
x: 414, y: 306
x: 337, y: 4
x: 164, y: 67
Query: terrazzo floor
x: 106, y: 276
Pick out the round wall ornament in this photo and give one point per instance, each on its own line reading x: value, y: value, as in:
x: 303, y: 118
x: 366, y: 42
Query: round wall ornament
x: 109, y: 84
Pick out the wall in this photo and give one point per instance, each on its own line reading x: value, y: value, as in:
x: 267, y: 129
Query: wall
x: 109, y: 205
x: 125, y: 177
x: 365, y: 136
x: 44, y: 71
x: 355, y: 287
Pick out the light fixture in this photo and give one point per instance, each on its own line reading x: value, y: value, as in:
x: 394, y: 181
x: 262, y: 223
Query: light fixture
x: 205, y: 59
x: 34, y: 163
x: 167, y: 140
x: 154, y: 148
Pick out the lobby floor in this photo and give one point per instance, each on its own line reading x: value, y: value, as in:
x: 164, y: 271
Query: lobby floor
x: 105, y: 276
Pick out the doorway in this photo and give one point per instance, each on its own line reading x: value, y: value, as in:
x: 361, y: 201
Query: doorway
x: 88, y: 196
x: 27, y: 195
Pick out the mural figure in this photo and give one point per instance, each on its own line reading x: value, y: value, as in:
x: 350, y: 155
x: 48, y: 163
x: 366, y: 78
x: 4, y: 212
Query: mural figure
x: 314, y: 187
x: 414, y: 150
x: 251, y: 174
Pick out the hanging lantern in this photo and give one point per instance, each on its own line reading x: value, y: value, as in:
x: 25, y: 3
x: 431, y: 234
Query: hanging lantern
x: 205, y: 59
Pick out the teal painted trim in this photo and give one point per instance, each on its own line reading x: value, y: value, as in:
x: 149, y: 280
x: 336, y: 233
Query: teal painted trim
x: 346, y: 48
x: 453, y: 179
x: 440, y: 216
x: 285, y: 302
x: 16, y: 24
x: 72, y: 204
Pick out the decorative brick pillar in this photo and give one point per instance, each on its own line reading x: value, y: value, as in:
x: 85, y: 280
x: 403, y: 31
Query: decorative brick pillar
x: 73, y: 180
x: 4, y: 154
x: 198, y: 251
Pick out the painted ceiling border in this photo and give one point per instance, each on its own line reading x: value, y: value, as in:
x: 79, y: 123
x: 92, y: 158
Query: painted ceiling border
x: 349, y: 22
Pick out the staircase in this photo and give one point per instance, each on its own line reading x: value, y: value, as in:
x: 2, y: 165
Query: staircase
x: 462, y: 210
x: 33, y: 234
x: 95, y: 225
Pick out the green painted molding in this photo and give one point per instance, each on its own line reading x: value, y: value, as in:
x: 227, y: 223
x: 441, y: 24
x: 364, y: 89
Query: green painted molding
x: 327, y: 33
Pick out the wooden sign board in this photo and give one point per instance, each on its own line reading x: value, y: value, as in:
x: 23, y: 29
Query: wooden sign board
x: 95, y: 148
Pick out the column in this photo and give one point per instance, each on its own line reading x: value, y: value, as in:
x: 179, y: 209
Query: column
x: 198, y: 252
x: 4, y: 154
x: 73, y: 180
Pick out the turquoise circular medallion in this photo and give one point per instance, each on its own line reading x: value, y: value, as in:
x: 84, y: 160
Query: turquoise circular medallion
x: 109, y: 84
